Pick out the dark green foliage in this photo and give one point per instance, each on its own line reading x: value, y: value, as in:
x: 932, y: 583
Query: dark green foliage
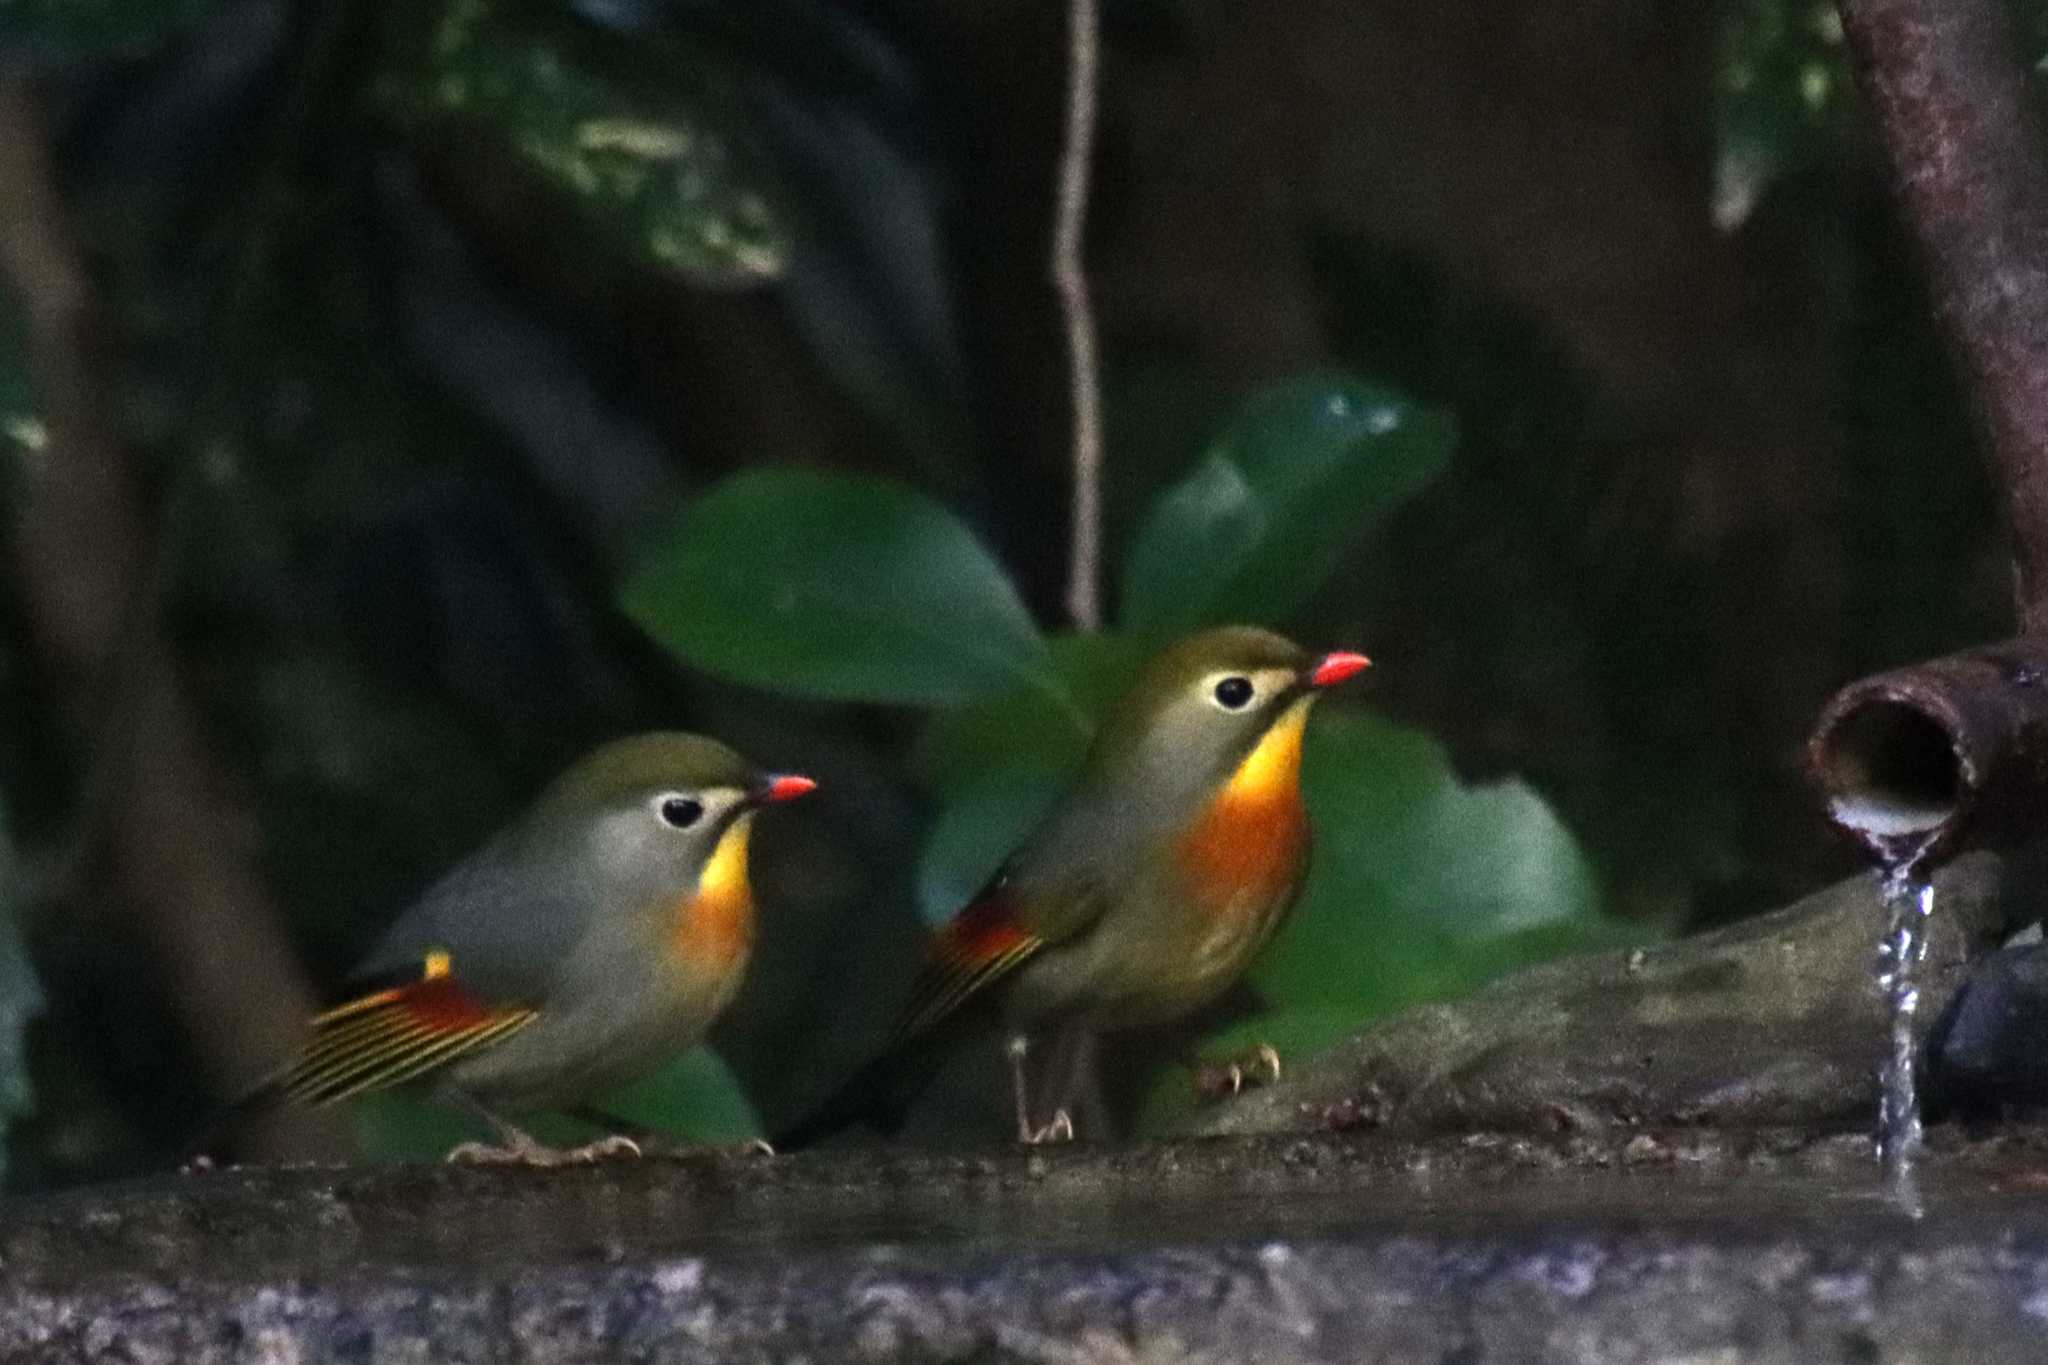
x: 1264, y: 517
x: 1783, y: 99
x: 509, y: 375
x: 839, y: 587
x: 642, y: 136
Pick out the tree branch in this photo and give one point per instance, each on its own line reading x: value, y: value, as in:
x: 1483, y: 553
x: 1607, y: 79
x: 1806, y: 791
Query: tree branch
x: 1070, y: 278
x: 1947, y: 85
x: 159, y: 809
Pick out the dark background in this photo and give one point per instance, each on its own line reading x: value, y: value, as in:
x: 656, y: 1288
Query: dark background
x: 412, y: 334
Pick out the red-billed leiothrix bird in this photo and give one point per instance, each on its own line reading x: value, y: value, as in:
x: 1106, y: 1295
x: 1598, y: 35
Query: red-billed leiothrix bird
x: 1153, y: 882
x: 595, y: 937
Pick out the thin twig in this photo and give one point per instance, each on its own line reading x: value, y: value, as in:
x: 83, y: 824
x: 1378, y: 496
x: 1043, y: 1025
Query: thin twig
x: 160, y: 809
x: 1070, y: 278
x: 1948, y: 87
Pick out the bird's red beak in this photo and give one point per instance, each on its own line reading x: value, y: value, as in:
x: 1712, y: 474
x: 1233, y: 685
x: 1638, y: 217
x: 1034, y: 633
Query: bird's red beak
x: 1336, y: 666
x: 787, y: 787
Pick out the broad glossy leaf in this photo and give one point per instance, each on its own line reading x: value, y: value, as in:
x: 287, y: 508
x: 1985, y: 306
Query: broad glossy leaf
x: 643, y: 136
x: 694, y: 1097
x: 839, y: 586
x: 1271, y: 509
x: 1421, y: 887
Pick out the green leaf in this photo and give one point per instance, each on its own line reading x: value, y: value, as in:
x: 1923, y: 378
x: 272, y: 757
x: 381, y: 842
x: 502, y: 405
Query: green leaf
x: 1269, y: 512
x: 694, y: 1098
x: 839, y: 586
x: 641, y: 135
x: 1783, y: 99
x: 1421, y: 887
x: 1414, y: 872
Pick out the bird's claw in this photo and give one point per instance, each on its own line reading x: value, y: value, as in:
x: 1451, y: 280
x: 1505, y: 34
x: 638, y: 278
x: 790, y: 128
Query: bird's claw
x: 618, y: 1144
x: 1061, y: 1129
x: 1220, y: 1080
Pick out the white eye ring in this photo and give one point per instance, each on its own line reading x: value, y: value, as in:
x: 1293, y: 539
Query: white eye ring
x: 1232, y: 692
x: 678, y: 810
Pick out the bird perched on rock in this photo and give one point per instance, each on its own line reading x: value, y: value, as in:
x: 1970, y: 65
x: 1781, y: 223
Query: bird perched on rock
x: 595, y: 937
x: 1147, y: 890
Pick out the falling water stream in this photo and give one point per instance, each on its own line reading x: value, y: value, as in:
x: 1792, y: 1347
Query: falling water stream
x: 1908, y: 896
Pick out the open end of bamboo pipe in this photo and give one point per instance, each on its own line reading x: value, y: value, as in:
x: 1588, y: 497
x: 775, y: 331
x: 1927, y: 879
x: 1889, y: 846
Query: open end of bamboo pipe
x: 1943, y: 755
x: 1891, y: 772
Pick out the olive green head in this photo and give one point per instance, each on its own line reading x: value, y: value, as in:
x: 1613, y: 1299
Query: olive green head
x: 1200, y: 705
x: 648, y: 813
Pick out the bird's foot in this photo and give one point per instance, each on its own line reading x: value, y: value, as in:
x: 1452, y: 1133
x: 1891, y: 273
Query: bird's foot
x: 1229, y: 1076
x: 1061, y: 1129
x: 683, y: 1149
x: 646, y: 1141
x: 524, y: 1150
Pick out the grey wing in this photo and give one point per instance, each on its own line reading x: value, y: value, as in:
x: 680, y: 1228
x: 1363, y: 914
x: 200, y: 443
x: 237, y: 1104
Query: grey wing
x: 505, y: 926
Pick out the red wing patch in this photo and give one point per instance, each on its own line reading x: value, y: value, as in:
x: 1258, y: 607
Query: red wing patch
x: 395, y: 1035
x: 974, y: 949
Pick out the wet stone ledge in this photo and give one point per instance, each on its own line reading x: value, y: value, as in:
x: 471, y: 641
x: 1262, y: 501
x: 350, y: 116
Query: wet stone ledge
x: 1626, y: 1247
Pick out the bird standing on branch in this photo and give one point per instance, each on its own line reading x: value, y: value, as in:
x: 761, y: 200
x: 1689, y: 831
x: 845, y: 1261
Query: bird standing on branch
x: 1148, y: 889
x: 598, y: 935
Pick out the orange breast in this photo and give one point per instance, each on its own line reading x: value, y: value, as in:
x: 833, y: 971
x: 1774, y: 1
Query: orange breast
x: 1246, y: 847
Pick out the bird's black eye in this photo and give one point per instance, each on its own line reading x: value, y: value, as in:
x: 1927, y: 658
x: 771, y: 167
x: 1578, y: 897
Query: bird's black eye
x: 1234, y: 694
x: 681, y: 811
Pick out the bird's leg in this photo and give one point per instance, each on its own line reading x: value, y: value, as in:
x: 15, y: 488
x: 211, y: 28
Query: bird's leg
x: 1072, y: 1081
x: 1061, y: 1128
x: 1018, y: 1047
x: 517, y: 1146
x: 1226, y: 1077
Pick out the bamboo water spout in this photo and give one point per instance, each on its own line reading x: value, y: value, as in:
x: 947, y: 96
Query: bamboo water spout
x: 1939, y: 756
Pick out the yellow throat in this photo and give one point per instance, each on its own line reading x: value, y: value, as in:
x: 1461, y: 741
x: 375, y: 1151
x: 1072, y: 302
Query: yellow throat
x: 1273, y: 766
x: 1245, y: 848
x: 717, y: 923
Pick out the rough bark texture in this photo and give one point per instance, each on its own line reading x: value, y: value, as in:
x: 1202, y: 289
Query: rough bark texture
x: 1327, y: 1249
x: 1948, y: 88
x: 1770, y: 1021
